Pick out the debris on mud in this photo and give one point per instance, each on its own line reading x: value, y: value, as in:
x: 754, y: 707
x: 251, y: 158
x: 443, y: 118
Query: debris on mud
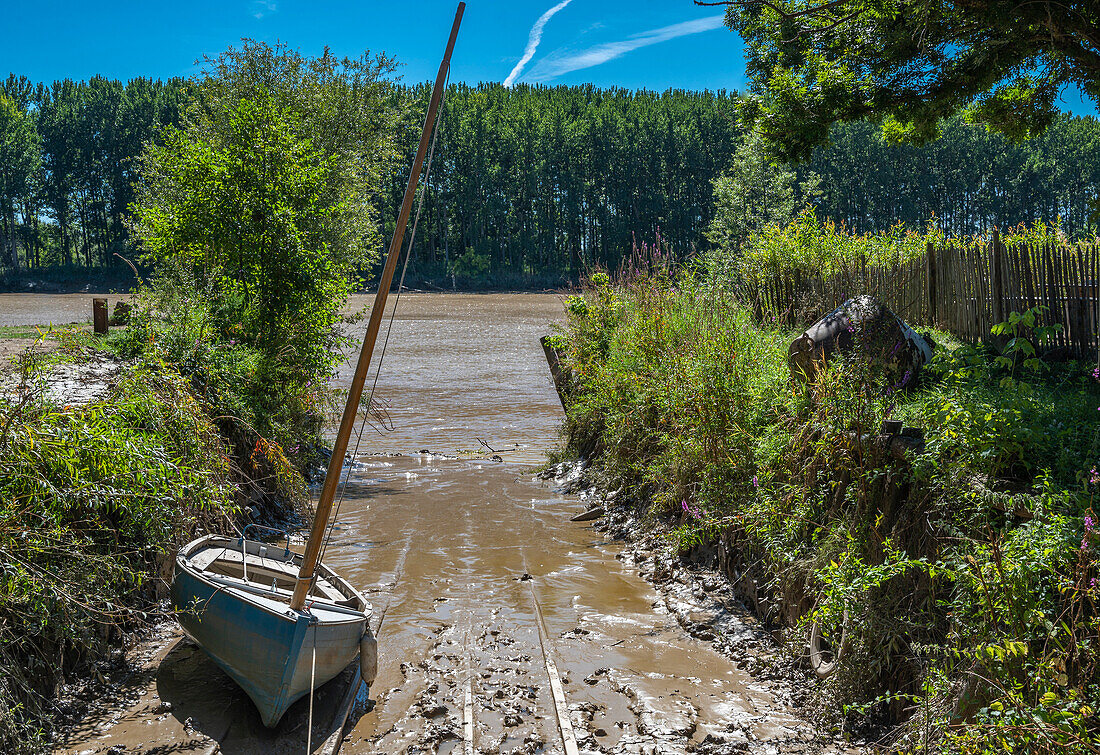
x: 704, y: 603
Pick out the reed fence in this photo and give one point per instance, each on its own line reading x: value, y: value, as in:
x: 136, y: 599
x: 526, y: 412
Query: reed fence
x: 964, y: 289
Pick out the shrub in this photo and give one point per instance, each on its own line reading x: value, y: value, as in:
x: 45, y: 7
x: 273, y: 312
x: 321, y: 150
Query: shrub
x: 965, y: 574
x: 90, y: 498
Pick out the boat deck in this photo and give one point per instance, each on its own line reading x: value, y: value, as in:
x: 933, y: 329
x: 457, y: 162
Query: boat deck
x: 274, y: 574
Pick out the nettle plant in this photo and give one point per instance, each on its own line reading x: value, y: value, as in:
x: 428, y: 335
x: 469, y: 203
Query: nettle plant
x: 1025, y: 335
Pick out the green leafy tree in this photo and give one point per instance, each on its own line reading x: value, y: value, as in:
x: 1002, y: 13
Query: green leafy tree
x: 265, y: 196
x: 815, y: 62
x: 753, y: 193
x: 19, y: 160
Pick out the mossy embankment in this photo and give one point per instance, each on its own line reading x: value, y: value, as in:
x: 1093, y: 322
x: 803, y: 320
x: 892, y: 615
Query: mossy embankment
x: 113, y: 452
x: 959, y: 579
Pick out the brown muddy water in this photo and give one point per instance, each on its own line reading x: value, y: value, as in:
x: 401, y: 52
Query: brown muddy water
x: 459, y: 552
x: 46, y: 309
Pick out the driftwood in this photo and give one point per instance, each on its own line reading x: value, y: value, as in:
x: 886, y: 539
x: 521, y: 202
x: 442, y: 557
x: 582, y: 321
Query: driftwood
x: 593, y: 513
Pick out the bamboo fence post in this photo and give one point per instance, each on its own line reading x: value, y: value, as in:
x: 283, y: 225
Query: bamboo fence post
x: 997, y: 294
x: 930, y: 267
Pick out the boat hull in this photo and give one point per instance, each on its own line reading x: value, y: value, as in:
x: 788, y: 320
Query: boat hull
x: 274, y: 654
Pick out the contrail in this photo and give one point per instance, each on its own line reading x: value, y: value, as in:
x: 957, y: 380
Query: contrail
x: 533, y: 40
x: 548, y: 68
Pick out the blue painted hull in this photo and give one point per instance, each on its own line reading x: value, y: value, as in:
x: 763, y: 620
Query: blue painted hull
x: 276, y: 655
x: 257, y: 649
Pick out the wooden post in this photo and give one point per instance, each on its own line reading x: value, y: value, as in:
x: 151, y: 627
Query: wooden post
x: 99, y: 315
x: 355, y: 391
x: 930, y: 261
x: 561, y: 383
x: 997, y: 282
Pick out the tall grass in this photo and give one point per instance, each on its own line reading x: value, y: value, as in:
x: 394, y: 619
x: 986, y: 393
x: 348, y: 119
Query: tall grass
x: 199, y: 429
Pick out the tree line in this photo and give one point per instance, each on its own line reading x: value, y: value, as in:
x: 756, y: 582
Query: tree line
x: 67, y: 164
x: 537, y: 182
x: 543, y: 181
x: 965, y: 182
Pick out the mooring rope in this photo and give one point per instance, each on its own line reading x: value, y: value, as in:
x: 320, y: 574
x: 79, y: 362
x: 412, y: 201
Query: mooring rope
x: 370, y: 401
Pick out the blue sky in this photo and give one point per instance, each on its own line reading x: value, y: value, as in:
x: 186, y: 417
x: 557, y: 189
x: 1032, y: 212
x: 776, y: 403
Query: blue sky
x: 630, y: 43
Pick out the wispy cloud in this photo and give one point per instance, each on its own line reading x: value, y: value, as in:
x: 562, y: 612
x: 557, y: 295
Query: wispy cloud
x: 261, y: 8
x: 550, y: 67
x: 533, y: 40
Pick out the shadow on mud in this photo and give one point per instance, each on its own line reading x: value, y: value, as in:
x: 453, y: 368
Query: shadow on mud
x: 205, y: 701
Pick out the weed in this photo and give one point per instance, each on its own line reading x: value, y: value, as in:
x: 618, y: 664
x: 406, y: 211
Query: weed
x: 962, y: 576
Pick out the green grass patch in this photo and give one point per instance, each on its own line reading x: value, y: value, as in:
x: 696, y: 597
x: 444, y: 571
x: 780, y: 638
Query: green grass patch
x: 44, y: 331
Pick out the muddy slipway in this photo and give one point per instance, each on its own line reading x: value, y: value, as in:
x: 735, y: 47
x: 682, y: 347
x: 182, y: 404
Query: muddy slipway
x: 459, y: 551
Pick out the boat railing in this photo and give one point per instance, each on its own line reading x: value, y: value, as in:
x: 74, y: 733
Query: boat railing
x: 329, y: 605
x: 243, y: 542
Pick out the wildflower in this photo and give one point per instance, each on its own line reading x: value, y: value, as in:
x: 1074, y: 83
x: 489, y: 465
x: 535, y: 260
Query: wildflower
x: 1094, y: 476
x: 1096, y: 374
x: 755, y: 481
x: 1088, y: 524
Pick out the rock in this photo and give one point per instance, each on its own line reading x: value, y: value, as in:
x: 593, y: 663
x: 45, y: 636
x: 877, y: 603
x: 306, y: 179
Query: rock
x: 435, y: 710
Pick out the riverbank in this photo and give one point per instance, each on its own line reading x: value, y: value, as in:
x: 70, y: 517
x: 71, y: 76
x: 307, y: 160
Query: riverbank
x: 68, y: 280
x: 109, y: 461
x: 695, y: 589
x: 957, y: 583
x: 121, y: 280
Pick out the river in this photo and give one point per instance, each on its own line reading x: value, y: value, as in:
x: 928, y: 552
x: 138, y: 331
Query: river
x: 456, y: 549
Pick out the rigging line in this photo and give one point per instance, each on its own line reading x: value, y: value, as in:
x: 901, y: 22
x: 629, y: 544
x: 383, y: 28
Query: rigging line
x: 436, y: 128
x: 399, y: 570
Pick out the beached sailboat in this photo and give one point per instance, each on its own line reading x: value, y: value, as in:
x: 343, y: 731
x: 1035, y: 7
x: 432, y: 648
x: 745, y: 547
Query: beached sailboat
x: 234, y: 599
x: 280, y: 623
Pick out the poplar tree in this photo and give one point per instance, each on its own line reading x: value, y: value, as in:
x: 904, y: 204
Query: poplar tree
x: 19, y: 157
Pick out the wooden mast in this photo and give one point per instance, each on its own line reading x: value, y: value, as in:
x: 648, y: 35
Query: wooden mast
x: 355, y: 393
